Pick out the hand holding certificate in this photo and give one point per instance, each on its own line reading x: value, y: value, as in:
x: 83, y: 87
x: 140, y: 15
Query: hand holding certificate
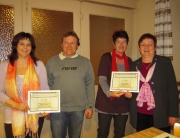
x: 44, y: 101
x: 119, y: 93
x: 116, y: 93
x: 125, y: 81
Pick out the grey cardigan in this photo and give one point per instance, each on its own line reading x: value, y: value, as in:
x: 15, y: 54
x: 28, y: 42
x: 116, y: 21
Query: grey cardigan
x: 164, y: 88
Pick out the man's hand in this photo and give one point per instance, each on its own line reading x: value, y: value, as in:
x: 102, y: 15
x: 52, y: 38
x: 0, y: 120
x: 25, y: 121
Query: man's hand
x: 47, y: 117
x: 88, y: 113
x: 172, y: 120
x: 44, y: 114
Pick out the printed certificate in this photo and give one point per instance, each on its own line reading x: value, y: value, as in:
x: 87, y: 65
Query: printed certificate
x: 125, y: 81
x: 44, y: 101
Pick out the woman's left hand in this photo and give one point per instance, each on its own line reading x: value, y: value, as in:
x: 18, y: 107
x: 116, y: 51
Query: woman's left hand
x: 128, y: 94
x: 172, y: 120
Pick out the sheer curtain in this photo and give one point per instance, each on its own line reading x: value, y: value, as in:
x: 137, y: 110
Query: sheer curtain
x: 163, y: 28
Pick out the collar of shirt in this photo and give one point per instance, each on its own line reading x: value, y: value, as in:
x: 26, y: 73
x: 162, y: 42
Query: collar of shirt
x: 61, y: 56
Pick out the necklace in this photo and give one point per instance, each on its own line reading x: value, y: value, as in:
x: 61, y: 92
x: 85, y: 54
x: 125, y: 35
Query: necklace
x: 147, y: 65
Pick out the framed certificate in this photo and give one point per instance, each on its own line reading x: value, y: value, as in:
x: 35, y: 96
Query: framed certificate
x: 44, y: 101
x: 125, y: 81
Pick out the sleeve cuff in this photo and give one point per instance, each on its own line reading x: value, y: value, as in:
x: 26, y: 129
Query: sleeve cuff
x: 90, y: 107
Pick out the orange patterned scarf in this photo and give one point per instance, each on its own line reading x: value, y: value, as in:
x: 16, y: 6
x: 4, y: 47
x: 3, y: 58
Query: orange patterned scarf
x: 20, y: 119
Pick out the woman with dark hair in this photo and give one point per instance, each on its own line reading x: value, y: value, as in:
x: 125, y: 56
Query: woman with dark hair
x: 14, y: 54
x: 113, y: 104
x: 22, y: 72
x: 156, y: 104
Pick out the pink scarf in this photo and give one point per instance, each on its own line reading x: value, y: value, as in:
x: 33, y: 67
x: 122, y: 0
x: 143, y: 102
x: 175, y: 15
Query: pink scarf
x: 145, y: 93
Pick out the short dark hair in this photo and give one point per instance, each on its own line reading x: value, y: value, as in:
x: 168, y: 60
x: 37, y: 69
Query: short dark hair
x: 149, y: 36
x: 71, y: 33
x: 120, y: 34
x: 20, y: 36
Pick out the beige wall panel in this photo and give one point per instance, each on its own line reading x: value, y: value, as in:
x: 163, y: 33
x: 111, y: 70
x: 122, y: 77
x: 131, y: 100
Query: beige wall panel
x: 175, y: 10
x: 144, y: 19
x: 121, y: 3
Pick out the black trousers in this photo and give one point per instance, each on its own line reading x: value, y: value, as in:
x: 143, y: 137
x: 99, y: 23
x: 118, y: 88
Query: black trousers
x: 8, y: 129
x: 104, y: 121
x: 146, y: 121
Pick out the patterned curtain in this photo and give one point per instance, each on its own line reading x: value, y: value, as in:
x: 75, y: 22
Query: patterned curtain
x: 163, y: 28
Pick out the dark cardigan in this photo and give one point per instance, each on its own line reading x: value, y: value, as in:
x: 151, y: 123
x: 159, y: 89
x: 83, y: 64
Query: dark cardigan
x: 165, y: 92
x: 103, y: 103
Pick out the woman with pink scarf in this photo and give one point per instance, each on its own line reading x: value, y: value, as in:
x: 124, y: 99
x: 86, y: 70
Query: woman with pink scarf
x: 156, y: 104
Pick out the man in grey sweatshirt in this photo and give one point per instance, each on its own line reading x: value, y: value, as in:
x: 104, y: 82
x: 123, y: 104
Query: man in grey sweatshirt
x: 73, y: 75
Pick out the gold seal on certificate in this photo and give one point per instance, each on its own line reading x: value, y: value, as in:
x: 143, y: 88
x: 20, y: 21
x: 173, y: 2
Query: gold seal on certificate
x: 44, y: 101
x: 125, y: 81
